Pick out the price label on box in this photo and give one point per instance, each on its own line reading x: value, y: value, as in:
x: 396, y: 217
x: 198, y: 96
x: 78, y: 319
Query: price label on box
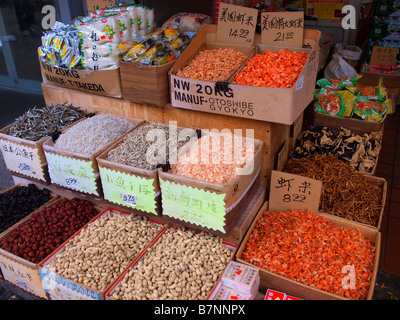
x: 291, y: 191
x: 236, y: 24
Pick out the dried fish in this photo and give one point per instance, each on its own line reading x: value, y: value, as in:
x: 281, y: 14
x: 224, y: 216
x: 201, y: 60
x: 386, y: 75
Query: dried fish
x: 93, y: 134
x: 37, y: 123
x: 141, y: 149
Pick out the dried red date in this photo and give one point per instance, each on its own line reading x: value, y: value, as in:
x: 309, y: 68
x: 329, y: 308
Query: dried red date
x: 37, y: 237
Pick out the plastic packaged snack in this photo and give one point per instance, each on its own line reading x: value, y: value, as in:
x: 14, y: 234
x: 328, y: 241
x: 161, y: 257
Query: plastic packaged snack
x: 335, y: 102
x: 188, y: 22
x: 377, y: 93
x: 341, y: 83
x: 371, y: 110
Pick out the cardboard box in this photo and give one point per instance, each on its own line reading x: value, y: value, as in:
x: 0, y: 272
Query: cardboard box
x: 145, y: 84
x: 102, y: 82
x: 148, y: 250
x: 74, y: 171
x: 59, y: 288
x: 284, y: 105
x: 128, y: 186
x: 19, y: 271
x: 356, y: 126
x: 241, y: 278
x: 297, y: 289
x: 23, y: 157
x: 204, y: 205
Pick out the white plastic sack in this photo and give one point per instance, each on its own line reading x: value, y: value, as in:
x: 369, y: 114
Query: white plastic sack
x: 339, y: 68
x: 348, y: 52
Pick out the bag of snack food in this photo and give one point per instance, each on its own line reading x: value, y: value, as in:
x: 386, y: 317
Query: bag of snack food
x: 335, y: 102
x: 371, y: 110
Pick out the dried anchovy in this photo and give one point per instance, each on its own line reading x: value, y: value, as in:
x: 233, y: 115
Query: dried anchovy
x: 345, y: 192
x: 133, y: 150
x: 359, y: 151
x: 37, y: 123
x: 93, y: 134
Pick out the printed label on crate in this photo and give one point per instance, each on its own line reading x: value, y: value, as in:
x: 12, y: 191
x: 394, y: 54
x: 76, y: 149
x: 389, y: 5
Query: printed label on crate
x: 275, y: 295
x: 128, y: 190
x: 72, y: 173
x: 59, y: 288
x: 22, y: 159
x: 291, y: 191
x: 206, y: 96
x: 204, y: 208
x: 236, y: 24
x: 282, y: 28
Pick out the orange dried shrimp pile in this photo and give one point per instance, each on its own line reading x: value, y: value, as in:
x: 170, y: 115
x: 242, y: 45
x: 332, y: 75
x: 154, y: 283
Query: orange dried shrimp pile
x: 213, y: 65
x: 310, y: 249
x: 268, y: 69
x: 211, y: 160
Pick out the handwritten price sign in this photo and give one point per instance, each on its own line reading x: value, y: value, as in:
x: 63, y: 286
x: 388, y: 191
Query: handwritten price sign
x: 282, y: 28
x: 236, y: 24
x: 291, y: 191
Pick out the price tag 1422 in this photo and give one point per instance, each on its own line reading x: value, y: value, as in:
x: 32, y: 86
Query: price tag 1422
x: 236, y: 24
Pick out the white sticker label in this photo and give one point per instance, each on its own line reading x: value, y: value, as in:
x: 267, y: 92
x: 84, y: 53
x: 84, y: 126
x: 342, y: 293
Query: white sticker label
x: 128, y: 199
x: 299, y: 83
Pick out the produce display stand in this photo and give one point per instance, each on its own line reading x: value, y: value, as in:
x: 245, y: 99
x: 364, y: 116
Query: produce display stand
x: 273, y: 135
x: 152, y: 103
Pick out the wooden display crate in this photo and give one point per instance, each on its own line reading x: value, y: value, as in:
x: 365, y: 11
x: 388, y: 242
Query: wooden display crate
x: 125, y: 185
x: 145, y: 84
x: 207, y: 206
x: 60, y: 288
x: 75, y: 171
x: 148, y: 251
x: 23, y: 157
x: 295, y: 288
x: 19, y: 271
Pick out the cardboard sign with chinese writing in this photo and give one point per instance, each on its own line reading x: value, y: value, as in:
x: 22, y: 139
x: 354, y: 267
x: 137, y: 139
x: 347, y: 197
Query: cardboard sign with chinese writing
x: 72, y: 173
x: 200, y: 207
x: 384, y: 56
x: 293, y: 192
x: 22, y: 159
x: 282, y: 28
x: 128, y: 190
x: 236, y: 24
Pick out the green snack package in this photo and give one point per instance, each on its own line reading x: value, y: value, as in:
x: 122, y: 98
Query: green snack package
x: 340, y: 84
x: 335, y: 102
x: 371, y: 110
x: 377, y: 93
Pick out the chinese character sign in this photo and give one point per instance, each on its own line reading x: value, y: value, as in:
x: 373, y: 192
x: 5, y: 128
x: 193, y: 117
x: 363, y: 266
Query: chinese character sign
x: 290, y: 191
x: 236, y: 24
x: 282, y: 28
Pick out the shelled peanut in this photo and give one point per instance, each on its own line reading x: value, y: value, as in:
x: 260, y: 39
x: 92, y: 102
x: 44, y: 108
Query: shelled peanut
x: 183, y: 265
x: 99, y: 254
